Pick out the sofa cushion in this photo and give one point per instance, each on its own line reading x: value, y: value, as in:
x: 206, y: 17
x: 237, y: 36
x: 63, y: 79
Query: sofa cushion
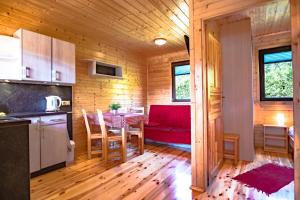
x: 178, y: 116
x: 152, y: 124
x: 164, y: 135
x: 159, y: 114
x: 169, y: 123
x: 159, y: 128
x: 181, y: 130
x: 181, y: 117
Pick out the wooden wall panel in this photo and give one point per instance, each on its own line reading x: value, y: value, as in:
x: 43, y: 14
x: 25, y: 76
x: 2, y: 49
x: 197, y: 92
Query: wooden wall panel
x: 92, y: 93
x: 266, y: 112
x: 160, y: 77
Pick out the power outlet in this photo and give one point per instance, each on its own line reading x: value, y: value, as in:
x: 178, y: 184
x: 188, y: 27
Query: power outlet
x: 65, y: 103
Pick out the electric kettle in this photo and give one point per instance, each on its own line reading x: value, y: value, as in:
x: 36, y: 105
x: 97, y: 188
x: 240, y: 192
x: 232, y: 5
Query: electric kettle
x: 53, y: 103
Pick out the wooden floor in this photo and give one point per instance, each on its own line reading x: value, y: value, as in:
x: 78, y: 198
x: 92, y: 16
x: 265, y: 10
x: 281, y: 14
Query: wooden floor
x: 161, y: 173
x: 224, y: 187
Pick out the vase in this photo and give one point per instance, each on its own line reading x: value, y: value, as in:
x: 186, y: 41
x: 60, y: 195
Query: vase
x: 113, y: 112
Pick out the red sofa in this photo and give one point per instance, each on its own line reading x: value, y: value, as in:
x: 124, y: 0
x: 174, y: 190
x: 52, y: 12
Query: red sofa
x: 169, y: 123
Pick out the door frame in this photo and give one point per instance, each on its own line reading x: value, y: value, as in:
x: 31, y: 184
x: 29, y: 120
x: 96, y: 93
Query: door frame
x: 198, y: 15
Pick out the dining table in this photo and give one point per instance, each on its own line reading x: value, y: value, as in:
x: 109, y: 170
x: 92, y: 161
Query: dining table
x: 124, y: 121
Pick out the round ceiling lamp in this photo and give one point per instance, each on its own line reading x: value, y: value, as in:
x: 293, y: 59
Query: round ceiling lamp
x: 160, y: 41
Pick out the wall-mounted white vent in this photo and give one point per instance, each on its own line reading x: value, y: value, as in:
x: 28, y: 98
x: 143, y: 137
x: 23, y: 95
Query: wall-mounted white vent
x: 99, y: 69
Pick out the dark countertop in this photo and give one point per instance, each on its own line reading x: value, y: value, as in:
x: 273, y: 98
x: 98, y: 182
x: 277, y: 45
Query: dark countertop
x: 36, y: 114
x: 11, y: 121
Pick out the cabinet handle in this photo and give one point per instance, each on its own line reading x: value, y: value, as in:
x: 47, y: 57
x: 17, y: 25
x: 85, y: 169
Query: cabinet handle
x: 57, y: 76
x: 27, y: 72
x: 43, y: 134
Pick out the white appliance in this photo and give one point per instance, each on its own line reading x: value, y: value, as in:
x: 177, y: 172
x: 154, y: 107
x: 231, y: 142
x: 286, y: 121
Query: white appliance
x: 53, y: 103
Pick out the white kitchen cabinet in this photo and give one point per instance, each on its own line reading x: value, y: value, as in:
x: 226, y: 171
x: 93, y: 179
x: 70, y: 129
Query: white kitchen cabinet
x: 34, y: 145
x: 48, y: 137
x: 10, y: 58
x: 53, y: 143
x: 36, y: 55
x: 63, y: 61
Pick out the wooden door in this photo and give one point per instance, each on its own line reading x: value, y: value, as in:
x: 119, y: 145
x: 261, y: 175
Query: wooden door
x: 237, y: 84
x: 63, y: 61
x: 36, y: 56
x: 53, y: 144
x: 215, y: 119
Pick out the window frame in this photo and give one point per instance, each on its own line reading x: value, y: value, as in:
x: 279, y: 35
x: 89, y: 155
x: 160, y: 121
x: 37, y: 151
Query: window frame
x: 174, y: 65
x: 261, y: 54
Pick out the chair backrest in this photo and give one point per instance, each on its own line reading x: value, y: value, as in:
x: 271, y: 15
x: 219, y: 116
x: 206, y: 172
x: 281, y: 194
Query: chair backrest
x: 123, y: 110
x: 137, y: 110
x: 102, y: 123
x: 86, y: 121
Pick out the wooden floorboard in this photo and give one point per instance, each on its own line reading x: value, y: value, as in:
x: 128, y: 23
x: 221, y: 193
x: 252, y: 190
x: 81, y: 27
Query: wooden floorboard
x: 162, y: 173
x: 223, y: 187
x: 139, y: 178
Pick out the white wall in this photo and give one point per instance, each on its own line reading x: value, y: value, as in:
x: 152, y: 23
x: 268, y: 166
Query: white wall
x: 237, y: 84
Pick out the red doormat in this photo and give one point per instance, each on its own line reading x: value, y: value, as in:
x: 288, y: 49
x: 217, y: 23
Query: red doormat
x: 268, y: 178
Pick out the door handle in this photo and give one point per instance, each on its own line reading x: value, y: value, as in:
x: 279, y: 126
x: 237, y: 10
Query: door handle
x: 57, y: 76
x: 27, y: 72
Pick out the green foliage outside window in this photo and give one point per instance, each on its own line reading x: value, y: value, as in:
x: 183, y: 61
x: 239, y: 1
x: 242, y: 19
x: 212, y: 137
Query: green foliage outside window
x: 279, y: 80
x: 182, y: 86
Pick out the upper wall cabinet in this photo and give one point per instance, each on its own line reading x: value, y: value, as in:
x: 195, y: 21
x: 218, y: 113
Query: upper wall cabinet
x: 63, y: 61
x: 10, y: 58
x: 36, y: 55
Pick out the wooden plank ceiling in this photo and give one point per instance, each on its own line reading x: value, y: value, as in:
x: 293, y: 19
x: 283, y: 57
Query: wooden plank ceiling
x: 269, y: 18
x: 127, y: 24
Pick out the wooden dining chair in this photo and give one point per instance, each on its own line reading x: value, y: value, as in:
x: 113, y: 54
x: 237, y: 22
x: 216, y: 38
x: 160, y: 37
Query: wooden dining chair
x: 138, y: 129
x: 137, y: 110
x: 92, y: 137
x: 139, y: 132
x: 110, y: 137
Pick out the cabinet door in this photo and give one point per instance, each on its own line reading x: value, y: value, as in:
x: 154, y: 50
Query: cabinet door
x: 63, y: 61
x: 36, y: 56
x: 53, y: 144
x: 10, y: 58
x: 34, y: 145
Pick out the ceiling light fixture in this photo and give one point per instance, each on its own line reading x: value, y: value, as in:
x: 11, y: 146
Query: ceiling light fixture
x: 160, y: 41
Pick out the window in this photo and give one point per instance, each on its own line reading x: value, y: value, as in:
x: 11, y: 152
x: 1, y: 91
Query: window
x: 276, y: 74
x: 181, y: 81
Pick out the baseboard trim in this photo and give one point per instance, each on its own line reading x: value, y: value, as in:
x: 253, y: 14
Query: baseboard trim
x: 48, y: 169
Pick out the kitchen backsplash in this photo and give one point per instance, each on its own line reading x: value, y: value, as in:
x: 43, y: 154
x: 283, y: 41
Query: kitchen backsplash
x: 19, y: 97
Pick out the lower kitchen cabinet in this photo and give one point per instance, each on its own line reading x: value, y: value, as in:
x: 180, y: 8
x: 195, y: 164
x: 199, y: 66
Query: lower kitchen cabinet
x: 47, y: 142
x: 53, y: 144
